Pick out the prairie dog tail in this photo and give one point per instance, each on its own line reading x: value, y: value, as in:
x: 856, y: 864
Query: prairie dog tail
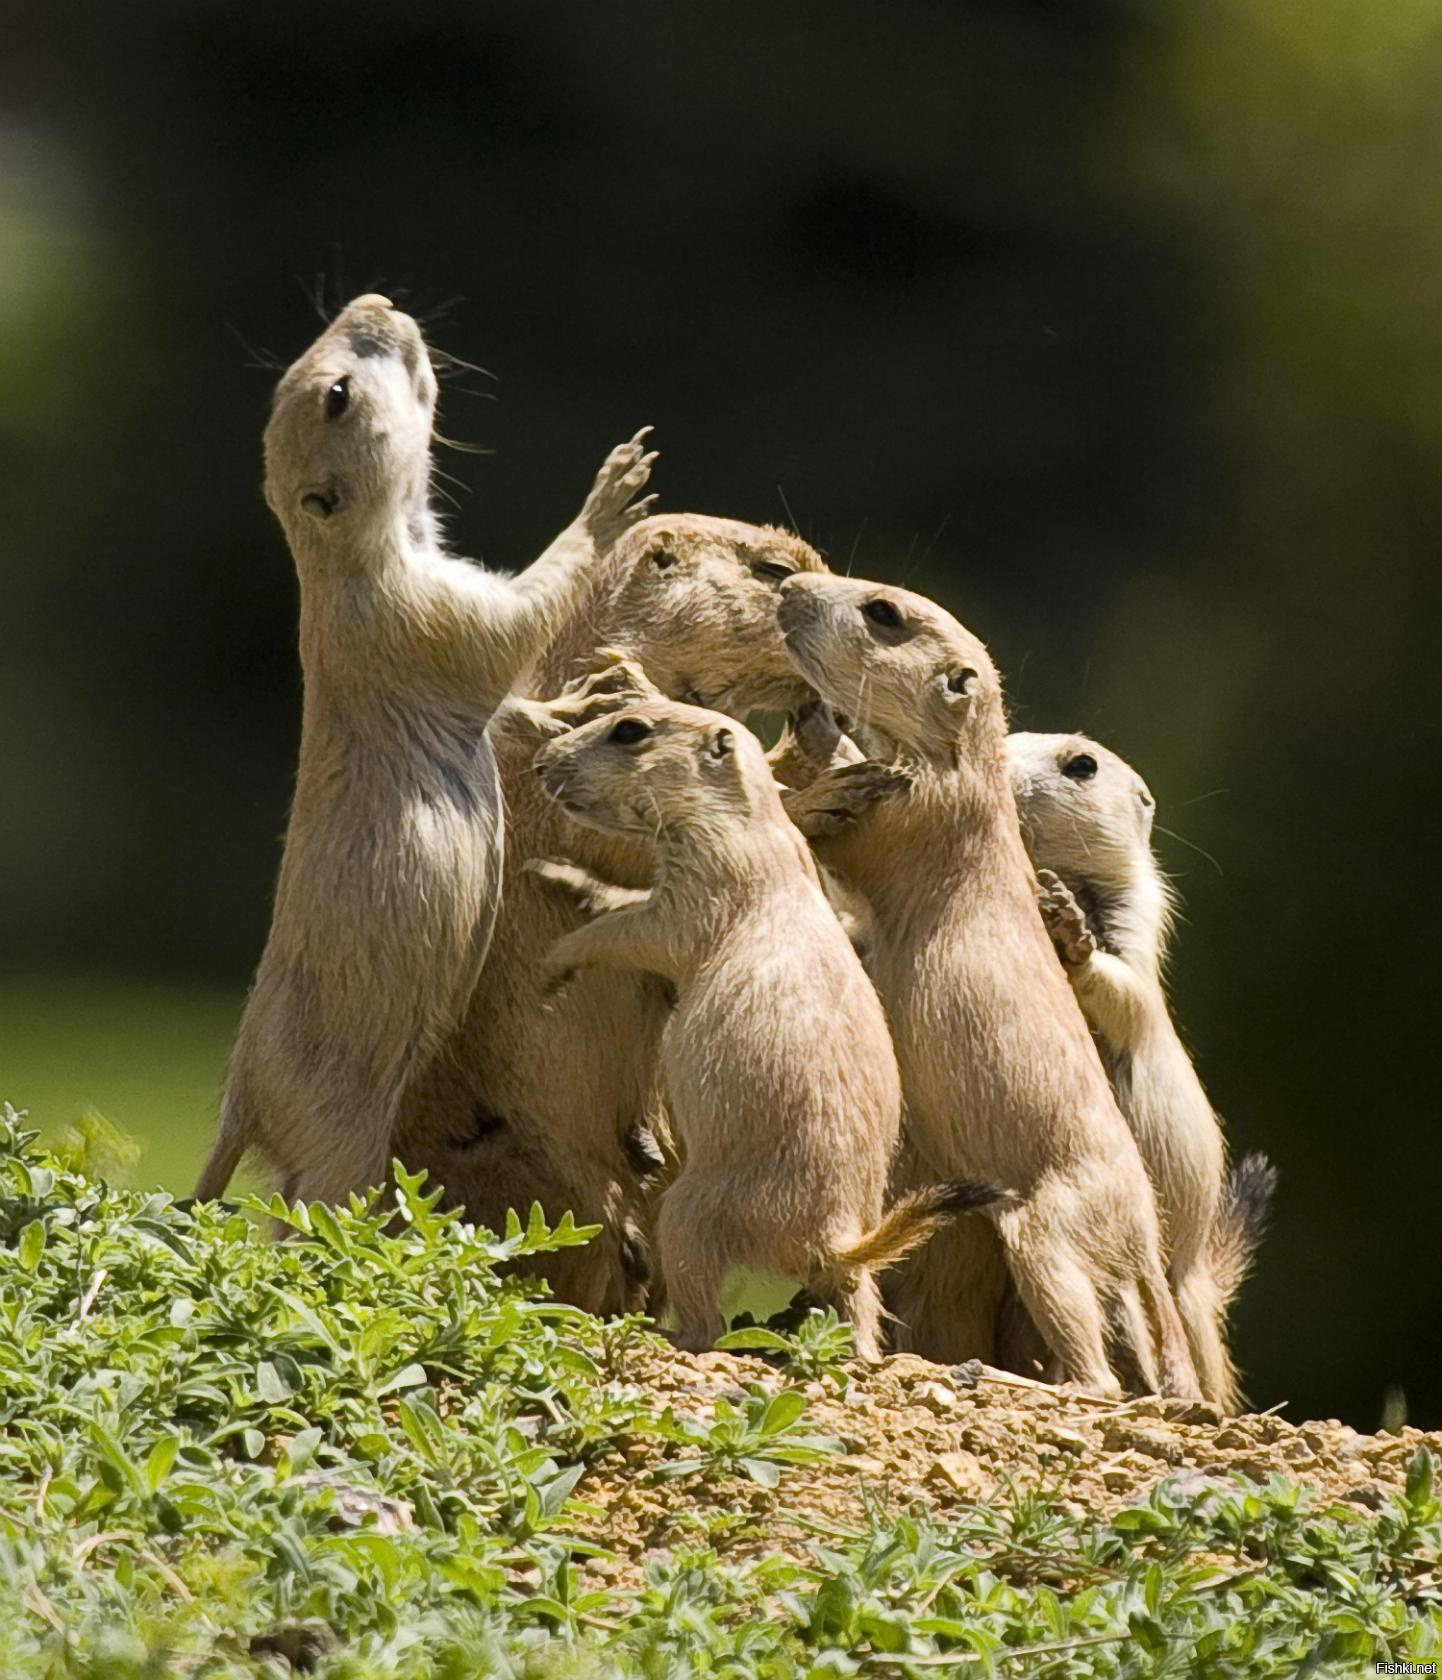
x: 912, y: 1219
x: 1241, y: 1222
x: 231, y: 1142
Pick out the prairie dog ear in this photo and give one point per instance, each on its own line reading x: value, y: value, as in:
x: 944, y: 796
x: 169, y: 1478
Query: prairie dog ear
x: 721, y: 745
x: 664, y: 556
x: 960, y: 684
x: 1146, y: 810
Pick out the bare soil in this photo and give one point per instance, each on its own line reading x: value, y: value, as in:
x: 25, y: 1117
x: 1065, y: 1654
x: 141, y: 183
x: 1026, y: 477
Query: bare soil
x: 928, y: 1438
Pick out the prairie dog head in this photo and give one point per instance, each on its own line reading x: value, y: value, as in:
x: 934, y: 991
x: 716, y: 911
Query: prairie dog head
x: 347, y: 448
x: 1087, y: 816
x: 660, y: 771
x: 1085, y: 813
x: 895, y: 662
x: 700, y: 594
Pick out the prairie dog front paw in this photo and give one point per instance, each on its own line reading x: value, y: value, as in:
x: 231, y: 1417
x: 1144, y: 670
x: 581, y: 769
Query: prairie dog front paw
x: 1065, y: 920
x: 609, y: 509
x: 838, y: 797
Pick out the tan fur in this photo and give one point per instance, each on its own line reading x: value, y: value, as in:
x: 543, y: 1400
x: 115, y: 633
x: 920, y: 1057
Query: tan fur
x: 691, y: 600
x: 782, y: 1083
x: 1002, y: 1080
x: 1086, y: 818
x: 392, y: 865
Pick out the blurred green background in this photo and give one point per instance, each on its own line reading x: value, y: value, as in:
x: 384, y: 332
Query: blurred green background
x: 1116, y: 326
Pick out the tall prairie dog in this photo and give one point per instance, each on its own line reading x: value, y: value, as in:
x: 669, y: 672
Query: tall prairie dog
x: 1000, y: 1075
x: 782, y: 1082
x: 559, y: 1099
x: 392, y: 865
x: 1086, y: 818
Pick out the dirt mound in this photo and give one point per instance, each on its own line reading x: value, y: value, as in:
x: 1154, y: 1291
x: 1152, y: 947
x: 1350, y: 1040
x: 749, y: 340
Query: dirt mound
x: 919, y: 1436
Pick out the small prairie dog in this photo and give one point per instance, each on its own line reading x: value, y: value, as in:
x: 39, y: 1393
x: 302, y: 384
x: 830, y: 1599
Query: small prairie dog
x: 782, y: 1082
x: 392, y: 864
x: 1000, y: 1076
x: 1086, y: 818
x: 559, y: 1100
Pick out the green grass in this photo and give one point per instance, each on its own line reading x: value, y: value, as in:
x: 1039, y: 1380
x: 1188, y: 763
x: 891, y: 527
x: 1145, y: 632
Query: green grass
x: 358, y: 1453
x: 150, y: 1056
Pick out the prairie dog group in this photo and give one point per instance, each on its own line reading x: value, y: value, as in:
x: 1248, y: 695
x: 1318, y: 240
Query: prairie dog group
x: 1000, y: 1075
x: 1086, y: 818
x: 391, y: 873
x: 782, y: 1081
x: 655, y: 1016
x: 559, y: 1099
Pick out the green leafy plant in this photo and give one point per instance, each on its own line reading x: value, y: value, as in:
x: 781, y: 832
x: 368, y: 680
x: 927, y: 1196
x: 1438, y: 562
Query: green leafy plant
x: 755, y: 1439
x: 363, y: 1453
x: 808, y: 1346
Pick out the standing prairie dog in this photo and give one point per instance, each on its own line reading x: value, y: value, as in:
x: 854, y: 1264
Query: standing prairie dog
x: 1086, y: 818
x: 1000, y: 1075
x: 392, y: 865
x: 558, y: 1100
x: 782, y: 1082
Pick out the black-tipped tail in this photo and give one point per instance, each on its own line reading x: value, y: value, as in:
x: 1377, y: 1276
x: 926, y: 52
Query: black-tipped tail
x: 1241, y: 1222
x: 968, y: 1195
x: 917, y: 1216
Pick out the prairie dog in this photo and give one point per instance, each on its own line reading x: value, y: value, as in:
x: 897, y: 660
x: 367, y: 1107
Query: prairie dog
x: 392, y: 864
x: 1000, y: 1075
x: 559, y: 1099
x: 1086, y: 818
x: 782, y: 1083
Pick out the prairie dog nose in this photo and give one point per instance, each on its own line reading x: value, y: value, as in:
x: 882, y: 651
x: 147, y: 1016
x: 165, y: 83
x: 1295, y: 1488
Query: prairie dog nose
x: 370, y: 300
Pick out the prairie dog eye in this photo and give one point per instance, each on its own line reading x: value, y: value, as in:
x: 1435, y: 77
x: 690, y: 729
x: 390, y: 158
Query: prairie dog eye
x: 630, y: 730
x: 1081, y: 768
x: 722, y: 744
x: 337, y: 399
x: 773, y: 571
x: 662, y: 559
x: 961, y: 681
x: 882, y: 613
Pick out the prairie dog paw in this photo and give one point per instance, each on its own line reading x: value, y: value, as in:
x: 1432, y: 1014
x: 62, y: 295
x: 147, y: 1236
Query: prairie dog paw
x: 609, y: 509
x: 838, y: 797
x: 533, y: 720
x: 1065, y: 920
x: 577, y: 884
x: 614, y: 674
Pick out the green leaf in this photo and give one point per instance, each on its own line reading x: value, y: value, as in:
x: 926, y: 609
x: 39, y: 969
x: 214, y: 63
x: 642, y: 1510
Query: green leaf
x: 302, y: 1449
x: 555, y: 1492
x: 31, y: 1245
x: 762, y: 1470
x: 270, y: 1385
x: 782, y: 1411
x: 1418, y: 1494
x: 413, y: 1376
x: 117, y: 1459
x: 326, y: 1226
x: 162, y: 1457
x: 756, y: 1336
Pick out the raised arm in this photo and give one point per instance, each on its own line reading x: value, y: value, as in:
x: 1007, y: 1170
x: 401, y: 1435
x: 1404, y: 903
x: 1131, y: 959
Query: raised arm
x: 541, y: 595
x: 1113, y: 997
x: 639, y: 937
x: 586, y: 891
x: 489, y: 629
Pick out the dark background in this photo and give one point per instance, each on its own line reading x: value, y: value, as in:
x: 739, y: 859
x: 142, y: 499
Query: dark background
x: 1117, y: 327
